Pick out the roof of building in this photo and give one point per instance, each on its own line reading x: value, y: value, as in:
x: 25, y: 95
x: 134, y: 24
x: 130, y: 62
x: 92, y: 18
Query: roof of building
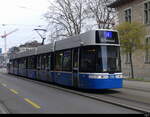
x: 119, y: 3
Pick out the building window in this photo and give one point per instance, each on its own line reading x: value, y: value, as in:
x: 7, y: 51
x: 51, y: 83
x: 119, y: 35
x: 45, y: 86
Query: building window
x: 147, y: 52
x: 147, y: 12
x: 128, y: 15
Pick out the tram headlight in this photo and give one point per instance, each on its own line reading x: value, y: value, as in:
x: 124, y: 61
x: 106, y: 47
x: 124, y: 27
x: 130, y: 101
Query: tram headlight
x: 119, y: 76
x: 98, y: 76
x: 104, y: 76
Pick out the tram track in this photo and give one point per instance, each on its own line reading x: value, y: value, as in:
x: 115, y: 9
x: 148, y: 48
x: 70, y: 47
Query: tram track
x: 106, y: 96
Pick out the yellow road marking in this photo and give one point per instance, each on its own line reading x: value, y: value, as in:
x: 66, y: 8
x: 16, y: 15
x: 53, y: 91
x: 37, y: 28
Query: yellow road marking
x: 32, y: 103
x: 14, y: 91
x: 4, y: 85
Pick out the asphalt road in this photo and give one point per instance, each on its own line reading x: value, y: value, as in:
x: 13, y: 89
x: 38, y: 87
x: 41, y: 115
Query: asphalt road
x: 18, y: 95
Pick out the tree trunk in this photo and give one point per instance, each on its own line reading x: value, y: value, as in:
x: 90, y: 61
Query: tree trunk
x: 131, y: 63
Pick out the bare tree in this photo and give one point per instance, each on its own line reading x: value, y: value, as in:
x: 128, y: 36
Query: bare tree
x: 66, y: 17
x: 104, y: 16
x: 71, y: 17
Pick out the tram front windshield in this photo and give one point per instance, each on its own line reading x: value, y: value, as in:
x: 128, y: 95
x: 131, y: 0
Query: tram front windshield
x: 100, y: 59
x: 109, y: 56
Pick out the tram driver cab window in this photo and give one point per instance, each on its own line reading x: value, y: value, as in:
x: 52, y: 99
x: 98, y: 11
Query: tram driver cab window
x: 88, y: 59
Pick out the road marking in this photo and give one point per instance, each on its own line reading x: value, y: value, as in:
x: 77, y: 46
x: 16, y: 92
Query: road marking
x: 14, y: 91
x: 32, y: 103
x: 4, y: 85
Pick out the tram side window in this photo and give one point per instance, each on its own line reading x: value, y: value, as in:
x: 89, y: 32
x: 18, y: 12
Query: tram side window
x: 10, y: 64
x: 26, y: 63
x: 38, y: 62
x: 34, y: 61
x: 58, y: 61
x: 67, y: 61
x: 52, y: 61
x: 88, y: 59
x: 31, y: 62
x: 75, y: 58
x: 22, y: 63
x: 47, y: 62
x: 16, y: 63
x: 43, y: 59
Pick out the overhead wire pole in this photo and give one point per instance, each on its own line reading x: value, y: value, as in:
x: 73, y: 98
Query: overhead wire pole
x: 43, y: 37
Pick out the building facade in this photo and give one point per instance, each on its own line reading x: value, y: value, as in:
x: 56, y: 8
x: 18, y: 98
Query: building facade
x: 139, y: 11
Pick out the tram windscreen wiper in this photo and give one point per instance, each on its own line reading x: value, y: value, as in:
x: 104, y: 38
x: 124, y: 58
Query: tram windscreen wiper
x: 111, y: 59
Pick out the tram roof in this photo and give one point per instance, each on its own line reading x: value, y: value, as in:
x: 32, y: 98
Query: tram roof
x: 87, y: 38
x: 25, y: 53
x: 76, y: 41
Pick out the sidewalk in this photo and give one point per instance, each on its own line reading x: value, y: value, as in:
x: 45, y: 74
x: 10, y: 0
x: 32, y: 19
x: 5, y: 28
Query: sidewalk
x: 137, y: 85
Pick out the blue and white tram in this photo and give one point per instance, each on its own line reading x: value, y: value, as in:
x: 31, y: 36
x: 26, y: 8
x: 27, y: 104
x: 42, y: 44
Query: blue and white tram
x: 87, y: 61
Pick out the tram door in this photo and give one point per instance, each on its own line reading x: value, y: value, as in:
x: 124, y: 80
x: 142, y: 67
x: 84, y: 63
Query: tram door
x: 75, y: 67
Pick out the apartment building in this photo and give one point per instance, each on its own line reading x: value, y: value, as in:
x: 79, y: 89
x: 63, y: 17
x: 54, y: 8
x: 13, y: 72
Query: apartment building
x: 139, y: 11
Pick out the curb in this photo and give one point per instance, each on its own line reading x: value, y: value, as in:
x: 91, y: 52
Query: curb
x: 3, y: 109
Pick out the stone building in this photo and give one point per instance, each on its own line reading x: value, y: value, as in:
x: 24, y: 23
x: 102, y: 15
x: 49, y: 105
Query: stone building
x: 139, y: 11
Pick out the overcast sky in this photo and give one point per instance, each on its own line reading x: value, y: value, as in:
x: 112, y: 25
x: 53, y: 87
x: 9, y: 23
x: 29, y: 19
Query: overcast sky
x: 24, y: 15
